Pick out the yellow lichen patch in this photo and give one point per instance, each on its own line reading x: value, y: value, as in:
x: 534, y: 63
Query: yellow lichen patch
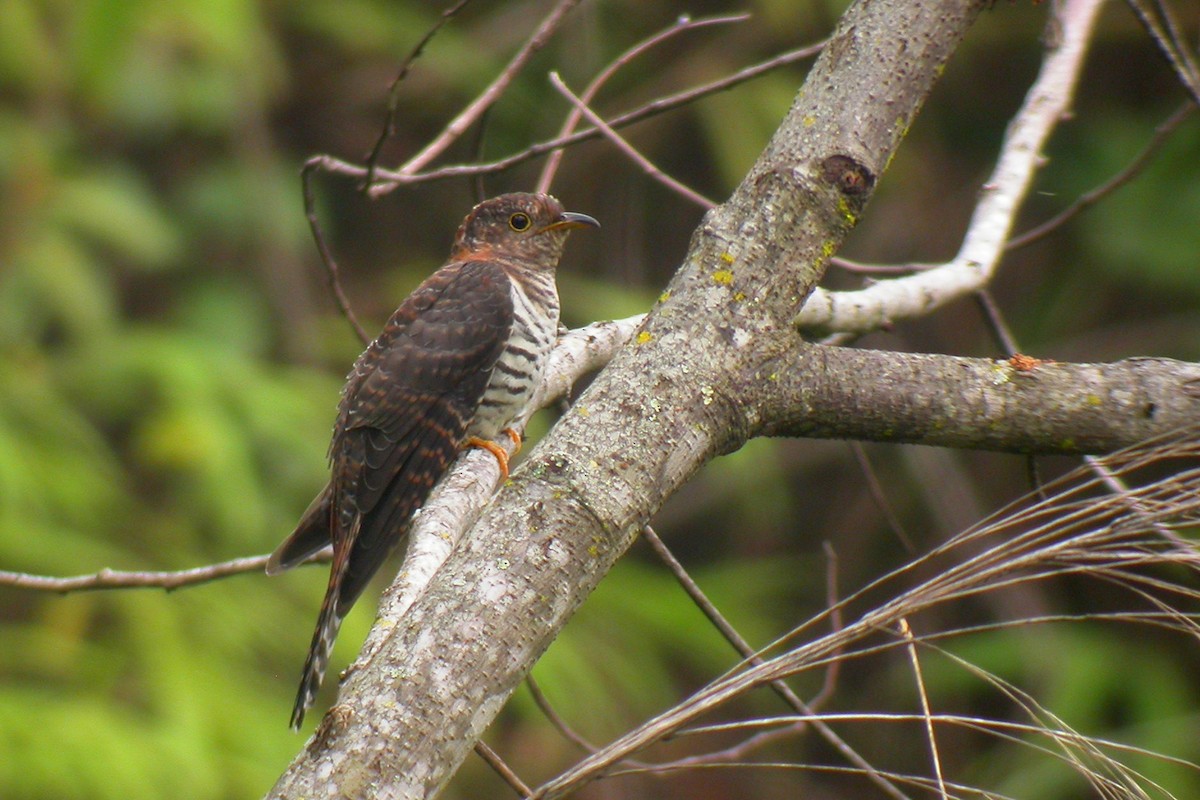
x: 739, y: 296
x: 809, y: 120
x: 727, y: 257
x: 1095, y: 400
x: 723, y: 277
x: 644, y: 337
x: 664, y: 297
x: 846, y: 212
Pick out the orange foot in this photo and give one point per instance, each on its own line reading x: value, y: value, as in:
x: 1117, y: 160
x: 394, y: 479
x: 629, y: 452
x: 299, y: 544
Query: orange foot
x: 498, y: 451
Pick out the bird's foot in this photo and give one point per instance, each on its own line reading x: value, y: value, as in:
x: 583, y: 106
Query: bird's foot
x: 499, y: 452
x: 516, y: 439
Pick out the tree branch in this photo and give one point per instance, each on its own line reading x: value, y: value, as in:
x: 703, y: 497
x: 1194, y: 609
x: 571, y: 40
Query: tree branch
x: 119, y: 579
x: 1015, y: 405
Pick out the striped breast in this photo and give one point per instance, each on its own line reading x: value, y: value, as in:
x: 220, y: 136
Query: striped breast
x: 519, y: 369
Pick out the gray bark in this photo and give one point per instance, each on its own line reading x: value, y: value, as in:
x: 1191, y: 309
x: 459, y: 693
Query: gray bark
x: 716, y: 362
x: 1044, y: 408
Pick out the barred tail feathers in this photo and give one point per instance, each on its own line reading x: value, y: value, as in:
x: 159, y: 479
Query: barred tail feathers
x: 328, y: 624
x: 329, y: 621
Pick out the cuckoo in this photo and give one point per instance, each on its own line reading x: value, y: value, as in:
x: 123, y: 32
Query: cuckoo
x: 454, y: 366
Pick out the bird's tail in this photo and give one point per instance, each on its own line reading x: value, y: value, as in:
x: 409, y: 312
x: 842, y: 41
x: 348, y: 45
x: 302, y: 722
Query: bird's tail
x: 329, y: 621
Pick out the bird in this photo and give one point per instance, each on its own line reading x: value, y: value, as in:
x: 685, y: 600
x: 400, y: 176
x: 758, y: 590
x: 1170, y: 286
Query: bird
x: 453, y: 367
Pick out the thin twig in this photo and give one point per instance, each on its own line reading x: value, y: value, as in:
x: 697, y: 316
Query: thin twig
x: 849, y: 265
x: 477, y: 183
x: 543, y: 703
x: 388, y: 180
x: 1131, y: 171
x: 494, y: 761
x: 1117, y: 486
x: 490, y: 95
x: 683, y: 23
x: 710, y: 611
x: 393, y: 104
x: 314, y: 224
x: 906, y: 632
x: 734, y: 752
x: 834, y: 669
x: 875, y: 489
x: 119, y: 579
x: 996, y: 323
x: 646, y: 165
x: 1164, y: 30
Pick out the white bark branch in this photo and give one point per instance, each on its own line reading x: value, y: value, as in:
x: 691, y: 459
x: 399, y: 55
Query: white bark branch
x: 1046, y: 103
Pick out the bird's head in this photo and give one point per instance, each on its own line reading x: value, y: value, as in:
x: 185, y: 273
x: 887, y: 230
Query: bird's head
x: 531, y: 228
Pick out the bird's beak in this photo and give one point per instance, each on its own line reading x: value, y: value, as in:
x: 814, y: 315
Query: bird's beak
x: 571, y: 219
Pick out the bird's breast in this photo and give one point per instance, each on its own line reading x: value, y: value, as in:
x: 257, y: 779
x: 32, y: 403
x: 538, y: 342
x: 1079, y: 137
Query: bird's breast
x: 519, y: 368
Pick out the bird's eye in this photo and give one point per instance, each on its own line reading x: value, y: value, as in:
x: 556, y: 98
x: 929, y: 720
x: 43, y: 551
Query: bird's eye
x: 519, y: 222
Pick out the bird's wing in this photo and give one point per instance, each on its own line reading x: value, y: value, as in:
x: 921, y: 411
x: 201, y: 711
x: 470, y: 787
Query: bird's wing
x: 310, y: 536
x: 408, y: 404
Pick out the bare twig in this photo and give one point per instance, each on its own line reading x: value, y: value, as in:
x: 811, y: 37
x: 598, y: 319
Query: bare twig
x: 543, y: 703
x: 650, y: 109
x: 875, y: 489
x: 119, y: 579
x: 331, y: 267
x: 1165, y: 32
x: 910, y: 646
x: 1131, y: 171
x: 490, y: 95
x: 494, y: 761
x: 834, y: 668
x: 996, y: 324
x: 477, y: 183
x: 683, y: 23
x: 877, y: 269
x: 393, y: 103
x: 733, y: 753
x: 644, y: 163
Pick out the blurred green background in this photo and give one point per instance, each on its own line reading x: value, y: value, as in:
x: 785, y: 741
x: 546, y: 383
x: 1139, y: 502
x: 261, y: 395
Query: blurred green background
x: 170, y: 360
